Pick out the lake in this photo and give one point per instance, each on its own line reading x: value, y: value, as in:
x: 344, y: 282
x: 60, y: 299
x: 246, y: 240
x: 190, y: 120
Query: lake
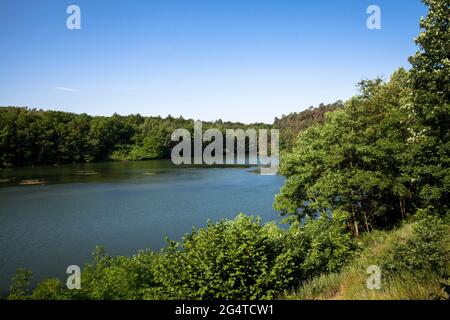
x: 52, y: 217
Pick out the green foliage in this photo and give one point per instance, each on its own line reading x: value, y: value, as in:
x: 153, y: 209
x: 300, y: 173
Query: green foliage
x: 353, y: 162
x: 228, y: 260
x: 408, y: 272
x: 425, y: 253
x: 35, y: 137
x: 430, y: 78
x: 293, y: 123
x: 242, y: 259
x: 112, y: 278
x: 330, y: 245
x: 20, y: 285
x: 49, y: 289
x: 431, y: 64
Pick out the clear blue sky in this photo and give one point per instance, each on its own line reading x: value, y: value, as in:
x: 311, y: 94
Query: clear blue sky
x: 239, y: 60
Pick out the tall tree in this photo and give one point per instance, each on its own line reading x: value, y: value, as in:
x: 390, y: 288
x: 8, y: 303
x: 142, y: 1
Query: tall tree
x: 352, y: 163
x: 430, y: 76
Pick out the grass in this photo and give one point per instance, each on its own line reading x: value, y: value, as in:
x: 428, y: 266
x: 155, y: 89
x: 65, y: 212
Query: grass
x: 350, y: 283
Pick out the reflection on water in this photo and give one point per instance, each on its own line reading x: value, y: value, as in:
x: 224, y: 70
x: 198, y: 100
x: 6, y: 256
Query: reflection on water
x: 52, y: 217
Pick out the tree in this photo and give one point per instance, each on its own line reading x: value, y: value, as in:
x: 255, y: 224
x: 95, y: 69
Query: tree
x: 430, y: 78
x: 353, y: 162
x: 20, y: 285
x: 35, y: 137
x: 293, y: 123
x: 243, y: 259
x: 49, y: 289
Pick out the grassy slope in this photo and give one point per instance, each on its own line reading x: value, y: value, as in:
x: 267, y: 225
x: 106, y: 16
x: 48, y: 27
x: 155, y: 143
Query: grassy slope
x: 350, y: 283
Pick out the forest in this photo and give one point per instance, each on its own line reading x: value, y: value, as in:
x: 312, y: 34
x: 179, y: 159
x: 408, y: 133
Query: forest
x: 367, y: 183
x: 35, y: 137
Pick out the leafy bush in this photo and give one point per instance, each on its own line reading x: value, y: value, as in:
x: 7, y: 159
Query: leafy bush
x: 229, y: 260
x: 49, y: 289
x: 330, y: 244
x: 425, y: 254
x: 242, y: 259
x: 20, y: 283
x: 116, y: 277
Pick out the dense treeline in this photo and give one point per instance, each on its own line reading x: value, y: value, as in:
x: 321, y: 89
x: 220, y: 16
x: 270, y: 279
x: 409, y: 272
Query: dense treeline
x: 376, y: 161
x: 35, y: 137
x: 290, y: 125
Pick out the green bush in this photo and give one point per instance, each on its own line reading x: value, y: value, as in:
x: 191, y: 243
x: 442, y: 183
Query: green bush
x: 227, y: 260
x: 425, y: 254
x: 20, y: 285
x: 116, y: 277
x: 49, y: 289
x: 330, y: 244
x: 242, y: 259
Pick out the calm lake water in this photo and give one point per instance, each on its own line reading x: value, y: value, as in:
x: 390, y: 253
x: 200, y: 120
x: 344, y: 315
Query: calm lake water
x: 122, y: 206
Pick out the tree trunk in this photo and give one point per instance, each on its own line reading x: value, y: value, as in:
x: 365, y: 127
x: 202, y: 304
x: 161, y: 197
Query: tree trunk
x: 402, y: 209
x: 366, y: 222
x: 355, y: 224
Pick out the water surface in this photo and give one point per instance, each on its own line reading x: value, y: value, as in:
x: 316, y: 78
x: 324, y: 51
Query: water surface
x: 52, y: 217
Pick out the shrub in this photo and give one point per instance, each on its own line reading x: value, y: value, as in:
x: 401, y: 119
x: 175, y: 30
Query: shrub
x: 49, y: 289
x: 227, y: 260
x: 241, y: 259
x: 20, y: 285
x: 115, y: 277
x: 330, y: 244
x: 425, y: 254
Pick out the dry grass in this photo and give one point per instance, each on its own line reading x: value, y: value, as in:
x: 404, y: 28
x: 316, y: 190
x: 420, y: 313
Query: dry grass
x: 350, y: 283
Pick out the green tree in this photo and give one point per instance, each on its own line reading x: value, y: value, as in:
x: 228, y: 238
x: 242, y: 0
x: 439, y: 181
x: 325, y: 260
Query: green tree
x: 291, y: 124
x: 20, y: 285
x: 242, y: 259
x: 430, y: 76
x: 353, y: 162
x: 49, y: 289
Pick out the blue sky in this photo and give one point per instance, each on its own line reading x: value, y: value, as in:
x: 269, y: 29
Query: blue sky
x: 246, y: 60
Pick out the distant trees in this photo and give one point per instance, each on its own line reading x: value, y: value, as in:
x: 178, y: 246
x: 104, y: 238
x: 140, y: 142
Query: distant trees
x: 293, y: 123
x: 35, y: 137
x: 30, y: 137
